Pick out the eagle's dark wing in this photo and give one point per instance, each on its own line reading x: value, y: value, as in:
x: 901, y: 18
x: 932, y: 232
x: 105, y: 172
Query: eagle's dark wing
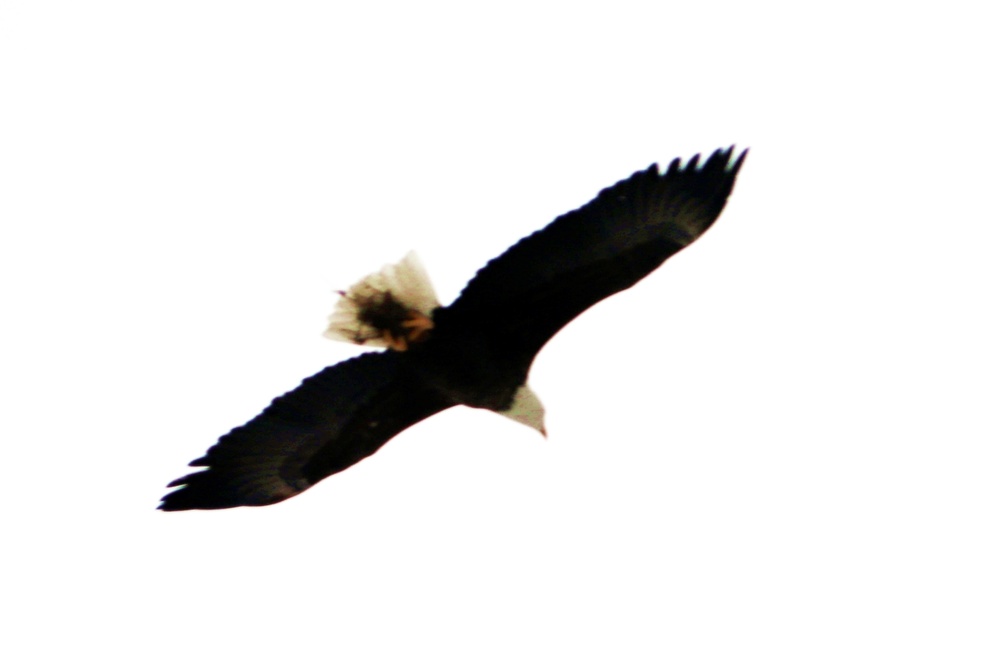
x: 334, y: 419
x: 523, y: 297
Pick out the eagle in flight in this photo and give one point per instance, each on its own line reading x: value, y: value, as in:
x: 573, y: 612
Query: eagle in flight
x: 477, y: 351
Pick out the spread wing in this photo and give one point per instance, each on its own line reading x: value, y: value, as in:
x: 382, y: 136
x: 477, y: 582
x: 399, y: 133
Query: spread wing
x: 523, y: 297
x: 333, y: 420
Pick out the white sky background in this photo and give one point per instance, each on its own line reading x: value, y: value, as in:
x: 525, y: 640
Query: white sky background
x: 784, y: 442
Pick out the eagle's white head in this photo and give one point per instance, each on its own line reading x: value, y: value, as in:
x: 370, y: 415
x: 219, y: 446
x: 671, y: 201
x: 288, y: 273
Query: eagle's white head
x: 527, y: 409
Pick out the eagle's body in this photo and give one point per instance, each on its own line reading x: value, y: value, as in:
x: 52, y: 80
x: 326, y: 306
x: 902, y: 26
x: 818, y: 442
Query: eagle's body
x: 477, y: 351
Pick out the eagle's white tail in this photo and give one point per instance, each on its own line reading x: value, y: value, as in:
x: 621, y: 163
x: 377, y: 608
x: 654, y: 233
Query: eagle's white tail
x: 378, y: 297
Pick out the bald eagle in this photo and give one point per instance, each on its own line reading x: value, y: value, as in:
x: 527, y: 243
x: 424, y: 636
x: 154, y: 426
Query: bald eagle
x: 477, y: 351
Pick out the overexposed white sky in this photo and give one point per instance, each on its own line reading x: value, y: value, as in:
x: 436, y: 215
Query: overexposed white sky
x: 785, y: 442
